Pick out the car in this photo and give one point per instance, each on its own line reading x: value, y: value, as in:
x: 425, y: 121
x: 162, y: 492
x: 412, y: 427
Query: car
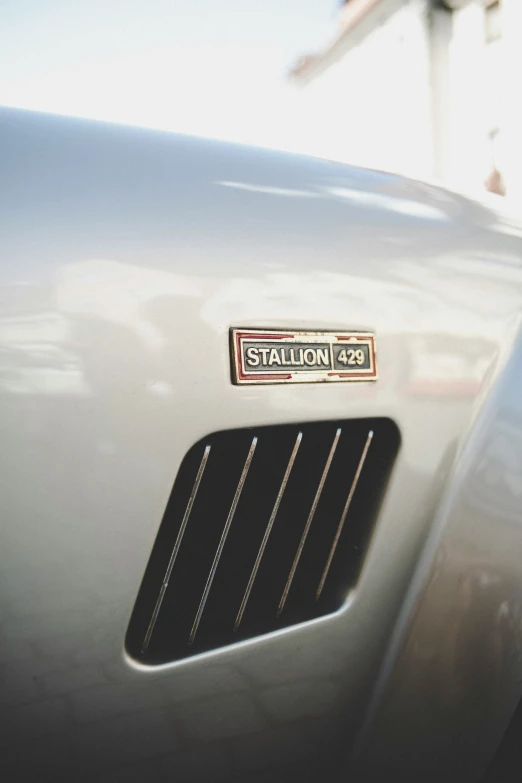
x: 219, y: 565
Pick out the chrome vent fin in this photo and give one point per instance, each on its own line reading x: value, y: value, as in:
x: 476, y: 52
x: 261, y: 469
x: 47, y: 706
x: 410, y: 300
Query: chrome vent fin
x: 265, y: 528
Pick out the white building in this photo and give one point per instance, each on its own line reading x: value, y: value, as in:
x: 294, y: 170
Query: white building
x: 427, y: 88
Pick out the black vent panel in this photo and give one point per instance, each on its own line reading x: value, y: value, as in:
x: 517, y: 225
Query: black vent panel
x: 265, y: 528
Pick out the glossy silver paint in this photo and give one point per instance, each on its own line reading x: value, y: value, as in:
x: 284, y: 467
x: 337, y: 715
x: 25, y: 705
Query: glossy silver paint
x: 453, y: 674
x: 126, y: 255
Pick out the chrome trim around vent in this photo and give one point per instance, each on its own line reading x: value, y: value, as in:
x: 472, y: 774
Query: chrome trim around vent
x: 222, y: 541
x: 276, y: 518
x: 267, y: 532
x: 308, y: 524
x: 344, y: 514
x: 175, y: 550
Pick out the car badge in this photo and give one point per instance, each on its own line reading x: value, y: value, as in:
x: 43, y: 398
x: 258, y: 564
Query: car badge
x: 288, y: 356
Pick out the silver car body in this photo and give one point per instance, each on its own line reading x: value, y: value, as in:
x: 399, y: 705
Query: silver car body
x: 125, y: 257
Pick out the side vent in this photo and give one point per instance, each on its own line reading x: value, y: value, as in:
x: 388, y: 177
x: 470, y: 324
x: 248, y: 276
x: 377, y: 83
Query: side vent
x: 265, y: 528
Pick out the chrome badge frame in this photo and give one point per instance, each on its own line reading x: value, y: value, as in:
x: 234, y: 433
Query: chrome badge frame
x: 262, y: 356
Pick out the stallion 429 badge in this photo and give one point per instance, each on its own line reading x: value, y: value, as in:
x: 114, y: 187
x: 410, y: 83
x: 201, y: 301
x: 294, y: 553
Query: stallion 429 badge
x: 260, y: 356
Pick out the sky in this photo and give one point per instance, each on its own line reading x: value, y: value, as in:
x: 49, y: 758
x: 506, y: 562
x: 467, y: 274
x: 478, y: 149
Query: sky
x: 207, y: 67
